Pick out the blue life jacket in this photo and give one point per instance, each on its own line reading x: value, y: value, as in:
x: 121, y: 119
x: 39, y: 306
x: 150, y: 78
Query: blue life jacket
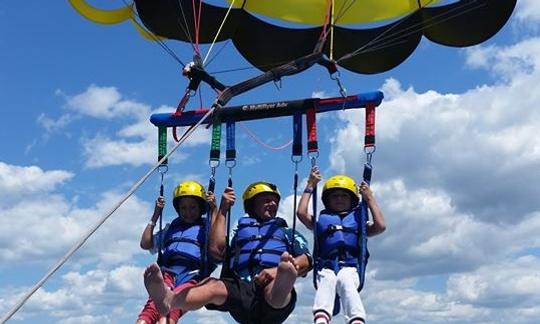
x: 258, y: 245
x: 339, y: 240
x: 183, y: 246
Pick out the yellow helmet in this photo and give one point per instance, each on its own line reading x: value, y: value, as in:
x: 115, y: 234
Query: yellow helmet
x: 341, y: 182
x: 190, y: 189
x: 256, y: 188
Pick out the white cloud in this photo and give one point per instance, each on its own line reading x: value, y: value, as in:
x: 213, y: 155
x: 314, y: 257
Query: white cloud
x: 528, y: 11
x: 18, y: 182
x: 105, y: 103
x: 455, y: 175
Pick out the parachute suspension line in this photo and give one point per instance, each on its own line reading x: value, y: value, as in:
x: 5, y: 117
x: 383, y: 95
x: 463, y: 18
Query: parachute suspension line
x: 184, y: 26
x: 324, y: 33
x: 332, y: 31
x: 261, y: 143
x: 197, y: 23
x: 222, y: 47
x: 296, y: 158
x: 80, y: 243
x: 393, y: 38
x: 155, y: 38
x: 344, y: 8
x: 219, y: 31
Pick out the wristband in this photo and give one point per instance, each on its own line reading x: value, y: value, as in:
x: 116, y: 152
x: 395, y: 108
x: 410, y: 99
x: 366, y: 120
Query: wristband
x: 151, y: 223
x: 308, y: 190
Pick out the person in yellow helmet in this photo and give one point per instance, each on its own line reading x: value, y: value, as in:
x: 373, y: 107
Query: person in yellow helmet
x: 181, y: 242
x: 260, y: 268
x: 338, y: 252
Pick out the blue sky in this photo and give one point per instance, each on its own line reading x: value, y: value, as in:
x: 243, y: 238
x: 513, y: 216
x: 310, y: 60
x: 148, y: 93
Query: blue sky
x: 456, y: 170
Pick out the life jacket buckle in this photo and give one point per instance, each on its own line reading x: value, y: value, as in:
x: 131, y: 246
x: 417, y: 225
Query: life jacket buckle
x: 335, y: 228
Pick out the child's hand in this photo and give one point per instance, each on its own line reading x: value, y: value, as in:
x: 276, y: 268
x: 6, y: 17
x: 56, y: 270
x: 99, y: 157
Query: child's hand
x: 266, y: 276
x: 160, y: 202
x: 314, y: 176
x: 228, y: 198
x: 365, y: 191
x: 211, y: 199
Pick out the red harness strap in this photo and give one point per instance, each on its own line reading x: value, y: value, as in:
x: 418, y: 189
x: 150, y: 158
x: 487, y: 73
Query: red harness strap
x: 311, y: 123
x: 369, y: 138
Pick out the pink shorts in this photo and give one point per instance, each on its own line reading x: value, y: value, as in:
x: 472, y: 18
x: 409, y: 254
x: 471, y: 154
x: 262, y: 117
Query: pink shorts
x: 150, y: 314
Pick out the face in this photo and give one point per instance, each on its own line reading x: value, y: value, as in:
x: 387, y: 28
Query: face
x: 189, y: 208
x: 339, y: 200
x: 265, y: 206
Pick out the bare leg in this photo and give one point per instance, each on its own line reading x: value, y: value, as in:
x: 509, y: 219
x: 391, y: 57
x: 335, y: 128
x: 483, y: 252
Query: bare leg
x: 278, y: 293
x: 208, y: 291
x: 160, y: 294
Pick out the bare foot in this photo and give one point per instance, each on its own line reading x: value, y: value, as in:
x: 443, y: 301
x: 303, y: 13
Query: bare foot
x: 280, y: 293
x: 160, y: 294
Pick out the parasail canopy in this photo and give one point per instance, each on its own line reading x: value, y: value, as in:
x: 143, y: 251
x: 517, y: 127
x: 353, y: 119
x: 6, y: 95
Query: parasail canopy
x: 261, y: 30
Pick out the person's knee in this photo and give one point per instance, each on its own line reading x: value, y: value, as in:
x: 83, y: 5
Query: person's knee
x: 216, y: 290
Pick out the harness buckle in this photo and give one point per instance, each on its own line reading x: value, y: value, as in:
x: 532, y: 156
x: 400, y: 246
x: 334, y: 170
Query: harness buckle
x: 335, y: 228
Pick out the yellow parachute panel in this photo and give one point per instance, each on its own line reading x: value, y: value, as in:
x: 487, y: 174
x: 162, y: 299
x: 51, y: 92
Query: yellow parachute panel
x: 111, y: 16
x: 102, y: 16
x: 313, y: 12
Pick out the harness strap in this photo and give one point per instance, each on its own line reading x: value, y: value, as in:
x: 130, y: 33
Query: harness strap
x: 230, y: 153
x: 331, y: 229
x: 208, y: 224
x: 369, y: 138
x: 296, y: 157
x: 259, y: 237
x: 311, y: 119
x: 216, y: 141
x: 182, y: 239
x: 297, y: 136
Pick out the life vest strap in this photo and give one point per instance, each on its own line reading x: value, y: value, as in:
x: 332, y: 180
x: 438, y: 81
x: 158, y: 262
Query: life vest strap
x: 182, y: 239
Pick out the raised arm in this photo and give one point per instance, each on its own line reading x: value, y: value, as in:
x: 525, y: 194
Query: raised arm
x: 217, y: 244
x: 378, y: 226
x: 302, y: 211
x: 147, y: 238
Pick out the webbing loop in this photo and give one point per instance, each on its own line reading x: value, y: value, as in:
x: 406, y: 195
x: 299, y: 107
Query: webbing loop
x: 162, y: 145
x: 230, y: 153
x: 369, y: 138
x: 311, y: 123
x: 215, y: 150
x: 296, y: 155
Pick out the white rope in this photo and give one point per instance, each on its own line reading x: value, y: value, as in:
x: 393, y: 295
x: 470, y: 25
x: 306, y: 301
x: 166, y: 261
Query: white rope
x: 101, y: 221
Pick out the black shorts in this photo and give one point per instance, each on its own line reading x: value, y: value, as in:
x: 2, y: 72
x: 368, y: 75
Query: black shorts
x: 247, y: 305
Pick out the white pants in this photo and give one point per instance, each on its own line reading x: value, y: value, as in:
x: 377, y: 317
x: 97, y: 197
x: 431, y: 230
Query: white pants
x: 345, y: 284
